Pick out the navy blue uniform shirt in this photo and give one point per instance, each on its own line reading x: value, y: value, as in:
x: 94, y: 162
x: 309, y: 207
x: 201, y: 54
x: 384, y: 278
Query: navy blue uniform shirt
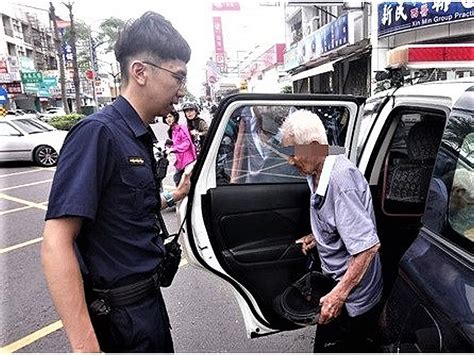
x: 105, y: 176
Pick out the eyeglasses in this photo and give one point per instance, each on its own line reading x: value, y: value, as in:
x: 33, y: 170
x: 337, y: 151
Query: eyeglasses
x: 180, y: 78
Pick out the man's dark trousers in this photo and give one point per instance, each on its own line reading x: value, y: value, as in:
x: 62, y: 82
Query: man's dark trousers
x: 139, y: 327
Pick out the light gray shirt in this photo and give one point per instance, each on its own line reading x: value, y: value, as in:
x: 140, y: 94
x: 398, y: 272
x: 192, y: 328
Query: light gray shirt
x: 343, y: 223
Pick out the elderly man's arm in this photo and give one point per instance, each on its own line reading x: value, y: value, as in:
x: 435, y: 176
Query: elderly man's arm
x: 65, y: 283
x: 332, y: 303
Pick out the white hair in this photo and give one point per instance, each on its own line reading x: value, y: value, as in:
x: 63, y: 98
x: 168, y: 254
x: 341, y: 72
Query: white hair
x: 304, y: 127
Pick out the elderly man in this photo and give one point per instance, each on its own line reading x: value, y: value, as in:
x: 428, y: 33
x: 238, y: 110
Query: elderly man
x: 344, y: 233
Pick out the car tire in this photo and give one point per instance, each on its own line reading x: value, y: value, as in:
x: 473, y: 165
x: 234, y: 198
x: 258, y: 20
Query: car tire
x: 44, y: 155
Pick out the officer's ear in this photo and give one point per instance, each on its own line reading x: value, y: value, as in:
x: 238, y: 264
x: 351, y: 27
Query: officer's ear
x: 138, y: 72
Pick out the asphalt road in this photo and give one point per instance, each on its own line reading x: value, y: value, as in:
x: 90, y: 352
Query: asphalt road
x: 204, y: 313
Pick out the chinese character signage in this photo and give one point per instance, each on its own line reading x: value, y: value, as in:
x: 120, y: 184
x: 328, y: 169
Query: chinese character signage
x: 226, y: 6
x: 219, y: 43
x: 335, y: 34
x: 31, y: 77
x: 397, y: 16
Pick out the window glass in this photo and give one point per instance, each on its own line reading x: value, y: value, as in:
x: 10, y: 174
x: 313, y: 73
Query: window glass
x: 371, y: 110
x: 449, y: 211
x: 7, y: 129
x: 461, y: 203
x: 31, y: 126
x: 250, y: 150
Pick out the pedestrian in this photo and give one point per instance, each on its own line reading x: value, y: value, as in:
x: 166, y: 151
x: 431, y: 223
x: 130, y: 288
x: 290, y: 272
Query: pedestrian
x: 196, y: 125
x: 102, y: 249
x: 344, y: 233
x: 183, y: 146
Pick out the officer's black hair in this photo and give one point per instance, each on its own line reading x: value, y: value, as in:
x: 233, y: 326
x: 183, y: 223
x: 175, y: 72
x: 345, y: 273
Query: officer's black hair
x: 151, y: 35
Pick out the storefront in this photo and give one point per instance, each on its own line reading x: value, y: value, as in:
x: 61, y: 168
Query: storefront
x: 333, y: 59
x: 426, y: 40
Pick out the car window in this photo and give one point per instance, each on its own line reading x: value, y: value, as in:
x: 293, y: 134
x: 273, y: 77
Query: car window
x: 409, y: 162
x: 250, y: 150
x: 7, y: 129
x: 30, y: 126
x: 371, y: 110
x: 450, y: 207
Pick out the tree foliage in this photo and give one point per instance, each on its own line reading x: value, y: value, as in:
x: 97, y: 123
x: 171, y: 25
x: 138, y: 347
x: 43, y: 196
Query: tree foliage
x: 108, y: 32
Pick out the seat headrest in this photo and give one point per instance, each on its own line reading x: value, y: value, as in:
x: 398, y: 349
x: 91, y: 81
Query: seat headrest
x: 423, y: 139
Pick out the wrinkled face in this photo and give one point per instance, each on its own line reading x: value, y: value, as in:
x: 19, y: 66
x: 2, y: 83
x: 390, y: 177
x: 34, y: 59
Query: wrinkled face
x: 307, y: 158
x: 166, y: 82
x: 169, y: 119
x: 190, y: 114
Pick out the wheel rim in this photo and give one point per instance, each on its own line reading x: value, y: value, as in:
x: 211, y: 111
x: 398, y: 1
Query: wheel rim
x: 47, y: 156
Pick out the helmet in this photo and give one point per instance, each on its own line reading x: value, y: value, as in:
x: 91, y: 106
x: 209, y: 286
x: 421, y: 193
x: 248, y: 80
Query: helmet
x: 190, y: 106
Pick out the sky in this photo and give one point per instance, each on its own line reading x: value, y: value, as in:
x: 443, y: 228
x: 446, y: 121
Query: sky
x: 242, y: 30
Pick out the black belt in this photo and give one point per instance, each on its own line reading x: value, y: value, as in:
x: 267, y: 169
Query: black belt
x: 128, y: 294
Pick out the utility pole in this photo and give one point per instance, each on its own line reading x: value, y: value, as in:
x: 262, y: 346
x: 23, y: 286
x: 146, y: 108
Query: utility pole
x: 77, y: 83
x: 58, y: 42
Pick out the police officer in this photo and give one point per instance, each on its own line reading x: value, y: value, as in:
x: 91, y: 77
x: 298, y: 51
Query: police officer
x: 101, y: 246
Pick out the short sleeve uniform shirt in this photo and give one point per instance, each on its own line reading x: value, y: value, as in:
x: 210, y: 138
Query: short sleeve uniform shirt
x: 104, y: 175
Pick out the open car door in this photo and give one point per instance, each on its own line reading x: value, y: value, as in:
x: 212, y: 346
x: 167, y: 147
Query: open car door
x: 248, y: 206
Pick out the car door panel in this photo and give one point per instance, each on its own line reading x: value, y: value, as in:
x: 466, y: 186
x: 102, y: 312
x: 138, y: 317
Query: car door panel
x: 256, y: 233
x: 244, y: 230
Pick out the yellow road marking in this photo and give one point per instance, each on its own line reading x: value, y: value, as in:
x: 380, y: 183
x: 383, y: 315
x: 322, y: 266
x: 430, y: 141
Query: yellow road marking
x: 29, y: 339
x: 19, y: 344
x: 23, y: 202
x: 21, y: 245
x: 26, y: 185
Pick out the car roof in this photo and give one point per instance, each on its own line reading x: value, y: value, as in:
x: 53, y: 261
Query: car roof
x: 451, y: 89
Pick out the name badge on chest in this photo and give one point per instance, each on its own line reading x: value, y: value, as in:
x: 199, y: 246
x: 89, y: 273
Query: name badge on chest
x: 136, y: 161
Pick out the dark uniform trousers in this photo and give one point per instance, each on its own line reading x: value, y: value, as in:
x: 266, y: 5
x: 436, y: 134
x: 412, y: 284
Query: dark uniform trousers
x: 142, y: 326
x: 350, y: 334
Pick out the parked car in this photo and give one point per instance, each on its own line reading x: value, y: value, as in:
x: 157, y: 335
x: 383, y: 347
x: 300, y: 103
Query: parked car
x: 29, y: 139
x: 51, y: 112
x: 413, y: 144
x: 22, y: 113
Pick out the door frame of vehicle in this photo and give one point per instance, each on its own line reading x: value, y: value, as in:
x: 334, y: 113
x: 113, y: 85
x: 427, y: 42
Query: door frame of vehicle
x: 196, y: 238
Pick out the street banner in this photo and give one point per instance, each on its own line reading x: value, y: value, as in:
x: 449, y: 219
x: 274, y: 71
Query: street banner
x: 62, y: 23
x: 219, y: 42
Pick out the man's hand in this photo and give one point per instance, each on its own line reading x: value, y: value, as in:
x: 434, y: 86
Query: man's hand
x: 307, y: 242
x: 184, y: 185
x: 331, y: 306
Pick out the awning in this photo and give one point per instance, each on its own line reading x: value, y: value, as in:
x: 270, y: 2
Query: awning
x: 324, y: 68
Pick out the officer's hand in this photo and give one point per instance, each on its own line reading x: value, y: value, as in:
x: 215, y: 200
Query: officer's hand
x: 185, y: 184
x: 331, y: 306
x: 307, y: 242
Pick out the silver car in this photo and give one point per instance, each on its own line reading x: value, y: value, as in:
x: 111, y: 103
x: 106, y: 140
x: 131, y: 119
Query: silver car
x: 28, y: 139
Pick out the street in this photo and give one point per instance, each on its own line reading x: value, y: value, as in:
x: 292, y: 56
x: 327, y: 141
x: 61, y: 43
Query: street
x: 204, y: 314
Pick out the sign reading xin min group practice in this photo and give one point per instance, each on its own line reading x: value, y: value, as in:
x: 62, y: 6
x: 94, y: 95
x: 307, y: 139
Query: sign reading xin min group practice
x: 394, y: 16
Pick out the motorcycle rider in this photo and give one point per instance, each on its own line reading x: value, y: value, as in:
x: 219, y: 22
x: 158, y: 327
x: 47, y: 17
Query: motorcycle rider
x: 197, y: 126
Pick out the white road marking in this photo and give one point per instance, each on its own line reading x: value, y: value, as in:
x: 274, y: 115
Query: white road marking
x: 22, y: 172
x: 23, y: 202
x: 41, y: 333
x: 21, y: 245
x: 26, y: 185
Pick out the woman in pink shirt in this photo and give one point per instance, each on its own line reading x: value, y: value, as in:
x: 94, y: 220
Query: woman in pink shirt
x: 183, y: 145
